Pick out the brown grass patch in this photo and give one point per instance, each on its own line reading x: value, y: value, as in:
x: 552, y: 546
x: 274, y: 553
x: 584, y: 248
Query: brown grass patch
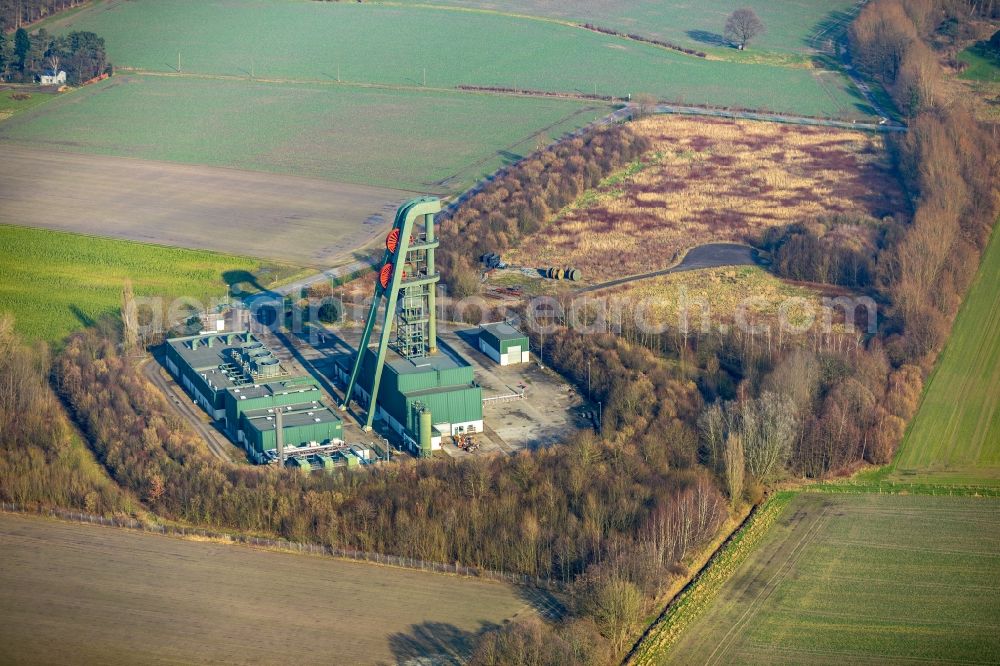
x: 713, y: 180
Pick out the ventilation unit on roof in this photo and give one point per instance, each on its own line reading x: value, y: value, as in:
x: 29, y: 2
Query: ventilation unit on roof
x: 317, y: 420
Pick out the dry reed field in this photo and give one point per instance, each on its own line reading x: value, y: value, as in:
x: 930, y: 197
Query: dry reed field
x: 719, y: 296
x: 713, y: 180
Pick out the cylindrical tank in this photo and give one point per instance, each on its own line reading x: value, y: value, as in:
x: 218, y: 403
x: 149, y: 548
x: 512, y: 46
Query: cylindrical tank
x: 268, y: 367
x: 575, y: 275
x: 559, y: 274
x: 425, y: 433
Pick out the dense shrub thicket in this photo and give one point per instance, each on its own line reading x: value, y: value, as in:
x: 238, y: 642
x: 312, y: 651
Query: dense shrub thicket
x: 42, y: 462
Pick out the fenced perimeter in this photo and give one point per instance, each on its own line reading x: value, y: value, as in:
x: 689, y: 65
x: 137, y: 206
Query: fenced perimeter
x: 456, y: 569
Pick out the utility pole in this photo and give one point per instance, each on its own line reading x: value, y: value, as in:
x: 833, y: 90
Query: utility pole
x: 178, y: 62
x: 279, y: 435
x: 425, y: 77
x: 588, y: 380
x: 251, y: 68
x: 338, y: 72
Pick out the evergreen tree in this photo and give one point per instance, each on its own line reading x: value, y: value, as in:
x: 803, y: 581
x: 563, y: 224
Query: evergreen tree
x: 22, y: 47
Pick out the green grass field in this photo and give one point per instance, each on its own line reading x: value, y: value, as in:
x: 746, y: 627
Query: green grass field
x: 859, y: 579
x: 55, y: 282
x: 394, y: 45
x: 10, y: 106
x: 955, y: 435
x: 409, y: 140
x: 983, y: 65
x: 790, y: 25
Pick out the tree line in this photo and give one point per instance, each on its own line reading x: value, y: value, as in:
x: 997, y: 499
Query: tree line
x: 18, y: 13
x: 25, y: 57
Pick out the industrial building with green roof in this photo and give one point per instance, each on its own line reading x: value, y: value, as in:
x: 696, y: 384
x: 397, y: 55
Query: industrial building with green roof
x: 503, y: 343
x: 441, y: 385
x: 240, y: 383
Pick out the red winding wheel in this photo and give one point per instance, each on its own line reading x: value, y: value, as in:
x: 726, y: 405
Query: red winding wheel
x: 385, y: 275
x: 392, y: 240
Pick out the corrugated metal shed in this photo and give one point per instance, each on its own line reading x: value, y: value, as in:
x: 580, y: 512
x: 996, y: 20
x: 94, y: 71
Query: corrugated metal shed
x: 502, y: 336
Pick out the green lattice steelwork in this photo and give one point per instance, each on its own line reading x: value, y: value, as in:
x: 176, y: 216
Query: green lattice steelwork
x: 407, y: 281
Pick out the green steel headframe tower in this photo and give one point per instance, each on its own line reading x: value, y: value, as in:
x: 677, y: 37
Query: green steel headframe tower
x: 407, y: 280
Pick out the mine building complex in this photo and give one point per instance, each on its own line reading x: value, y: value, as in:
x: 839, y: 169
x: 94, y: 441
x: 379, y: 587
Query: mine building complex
x: 423, y: 390
x: 240, y: 383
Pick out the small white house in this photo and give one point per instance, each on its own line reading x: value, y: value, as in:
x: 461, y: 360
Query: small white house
x: 51, y: 78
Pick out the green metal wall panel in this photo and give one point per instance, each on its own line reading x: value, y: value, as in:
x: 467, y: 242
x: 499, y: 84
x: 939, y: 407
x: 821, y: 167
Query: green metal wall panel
x: 505, y: 345
x: 446, y: 407
x: 266, y: 440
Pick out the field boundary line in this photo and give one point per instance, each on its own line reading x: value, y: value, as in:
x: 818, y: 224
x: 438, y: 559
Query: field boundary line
x: 704, y: 586
x: 881, y: 657
x: 286, y: 546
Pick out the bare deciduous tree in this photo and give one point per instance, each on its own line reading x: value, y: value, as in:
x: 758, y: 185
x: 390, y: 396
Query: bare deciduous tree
x: 768, y: 426
x: 130, y: 318
x: 742, y: 26
x: 644, y: 104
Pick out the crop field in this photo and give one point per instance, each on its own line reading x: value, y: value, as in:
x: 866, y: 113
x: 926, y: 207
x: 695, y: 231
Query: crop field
x: 306, y: 221
x: 416, y: 46
x: 78, y: 593
x: 791, y: 26
x: 955, y: 435
x: 713, y: 180
x: 55, y: 282
x: 859, y: 579
x: 398, y: 139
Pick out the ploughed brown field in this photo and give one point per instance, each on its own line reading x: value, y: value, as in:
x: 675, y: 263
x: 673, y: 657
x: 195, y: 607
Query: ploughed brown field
x: 303, y: 221
x: 75, y: 593
x: 708, y: 180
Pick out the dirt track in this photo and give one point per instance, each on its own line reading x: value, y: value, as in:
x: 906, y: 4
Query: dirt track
x: 304, y: 221
x: 87, y: 594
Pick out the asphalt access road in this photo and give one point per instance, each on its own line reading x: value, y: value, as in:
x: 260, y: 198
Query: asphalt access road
x: 711, y: 255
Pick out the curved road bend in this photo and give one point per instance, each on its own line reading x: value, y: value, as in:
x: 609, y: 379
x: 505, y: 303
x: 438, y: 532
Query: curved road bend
x: 712, y: 255
x: 182, y: 405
